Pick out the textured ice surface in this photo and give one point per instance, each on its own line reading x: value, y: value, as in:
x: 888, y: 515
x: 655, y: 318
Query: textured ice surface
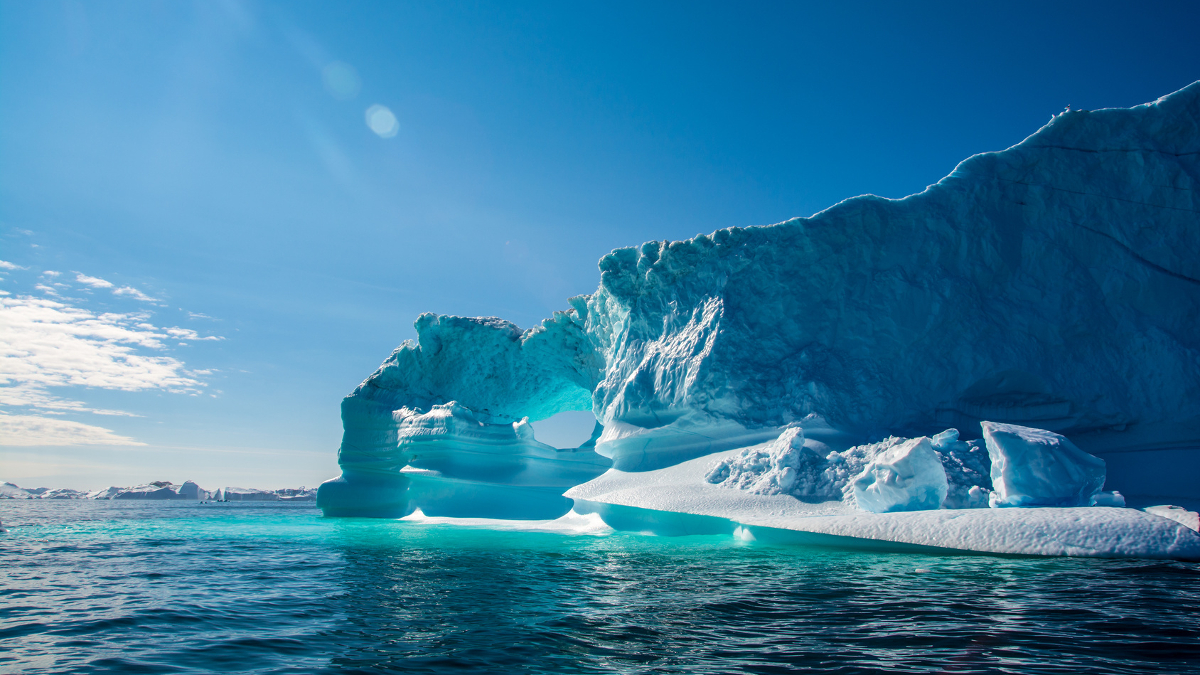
x: 1034, y: 467
x: 788, y: 465
x: 811, y: 471
x: 1052, y: 285
x: 905, y: 477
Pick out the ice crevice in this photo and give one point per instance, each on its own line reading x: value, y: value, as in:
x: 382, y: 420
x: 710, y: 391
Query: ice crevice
x: 1134, y: 254
x: 972, y: 353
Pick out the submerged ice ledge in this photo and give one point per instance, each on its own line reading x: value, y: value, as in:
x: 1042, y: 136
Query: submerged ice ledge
x: 1052, y: 287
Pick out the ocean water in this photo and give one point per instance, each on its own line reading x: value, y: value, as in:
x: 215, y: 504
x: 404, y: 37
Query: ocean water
x: 143, y: 587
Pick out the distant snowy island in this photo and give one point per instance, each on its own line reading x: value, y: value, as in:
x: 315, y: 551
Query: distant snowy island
x: 162, y: 490
x: 1000, y: 364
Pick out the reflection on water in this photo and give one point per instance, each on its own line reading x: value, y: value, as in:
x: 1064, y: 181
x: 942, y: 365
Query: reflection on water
x: 119, y: 587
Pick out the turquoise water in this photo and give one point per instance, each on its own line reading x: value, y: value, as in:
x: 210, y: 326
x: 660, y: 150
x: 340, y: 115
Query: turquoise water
x: 108, y: 587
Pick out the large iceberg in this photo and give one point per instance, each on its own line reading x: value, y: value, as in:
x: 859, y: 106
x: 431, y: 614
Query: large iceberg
x: 1053, y: 285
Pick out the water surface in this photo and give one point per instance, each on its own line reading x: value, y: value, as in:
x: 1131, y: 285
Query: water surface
x: 99, y: 587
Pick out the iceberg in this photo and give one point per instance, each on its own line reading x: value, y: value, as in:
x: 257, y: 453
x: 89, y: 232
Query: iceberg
x: 239, y: 494
x: 1053, y: 286
x: 159, y: 490
x: 13, y: 491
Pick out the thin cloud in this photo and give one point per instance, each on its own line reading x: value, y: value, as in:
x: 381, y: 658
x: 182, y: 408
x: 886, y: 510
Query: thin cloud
x: 31, y: 430
x: 134, y: 293
x: 189, y: 334
x: 50, y: 273
x: 5, y: 265
x: 94, y: 282
x: 30, y: 396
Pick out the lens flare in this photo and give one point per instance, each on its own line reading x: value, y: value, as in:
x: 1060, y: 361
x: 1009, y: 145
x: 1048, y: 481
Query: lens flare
x: 382, y: 121
x: 341, y: 80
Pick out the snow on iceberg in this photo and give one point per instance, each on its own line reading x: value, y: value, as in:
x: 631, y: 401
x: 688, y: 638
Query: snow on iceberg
x: 1034, y: 467
x: 1189, y: 519
x: 1051, y: 285
x: 790, y: 465
x: 811, y: 471
x: 678, y: 501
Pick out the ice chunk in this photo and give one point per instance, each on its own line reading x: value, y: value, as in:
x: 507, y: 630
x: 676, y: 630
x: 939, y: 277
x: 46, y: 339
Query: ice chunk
x: 1189, y: 519
x: 787, y: 465
x: 804, y: 468
x: 1035, y: 467
x: 1113, y: 498
x: 906, y: 477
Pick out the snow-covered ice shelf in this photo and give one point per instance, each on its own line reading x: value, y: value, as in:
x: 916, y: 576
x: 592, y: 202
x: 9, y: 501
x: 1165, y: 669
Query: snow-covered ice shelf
x: 678, y: 501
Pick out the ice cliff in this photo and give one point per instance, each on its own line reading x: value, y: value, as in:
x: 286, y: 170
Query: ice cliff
x: 1055, y: 285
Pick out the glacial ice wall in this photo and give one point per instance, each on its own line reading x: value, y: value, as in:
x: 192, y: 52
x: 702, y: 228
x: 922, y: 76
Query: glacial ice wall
x: 1054, y: 285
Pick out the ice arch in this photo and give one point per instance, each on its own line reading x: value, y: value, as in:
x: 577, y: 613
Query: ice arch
x: 443, y: 424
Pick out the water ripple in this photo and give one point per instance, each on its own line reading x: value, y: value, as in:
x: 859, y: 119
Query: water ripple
x: 108, y: 587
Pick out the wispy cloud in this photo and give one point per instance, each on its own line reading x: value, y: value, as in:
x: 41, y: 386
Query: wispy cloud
x: 189, y: 334
x: 134, y: 293
x: 5, y: 265
x: 97, y: 282
x: 31, y: 430
x: 94, y: 282
x: 50, y: 344
x: 32, y: 396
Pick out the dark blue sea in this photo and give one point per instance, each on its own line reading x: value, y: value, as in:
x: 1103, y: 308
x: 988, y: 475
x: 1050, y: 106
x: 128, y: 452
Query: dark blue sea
x: 144, y: 587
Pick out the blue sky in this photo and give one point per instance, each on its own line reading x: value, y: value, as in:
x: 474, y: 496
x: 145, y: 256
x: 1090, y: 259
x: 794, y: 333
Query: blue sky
x: 236, y: 248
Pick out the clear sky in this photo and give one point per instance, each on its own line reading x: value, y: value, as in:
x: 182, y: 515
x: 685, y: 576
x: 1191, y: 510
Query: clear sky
x: 218, y: 217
